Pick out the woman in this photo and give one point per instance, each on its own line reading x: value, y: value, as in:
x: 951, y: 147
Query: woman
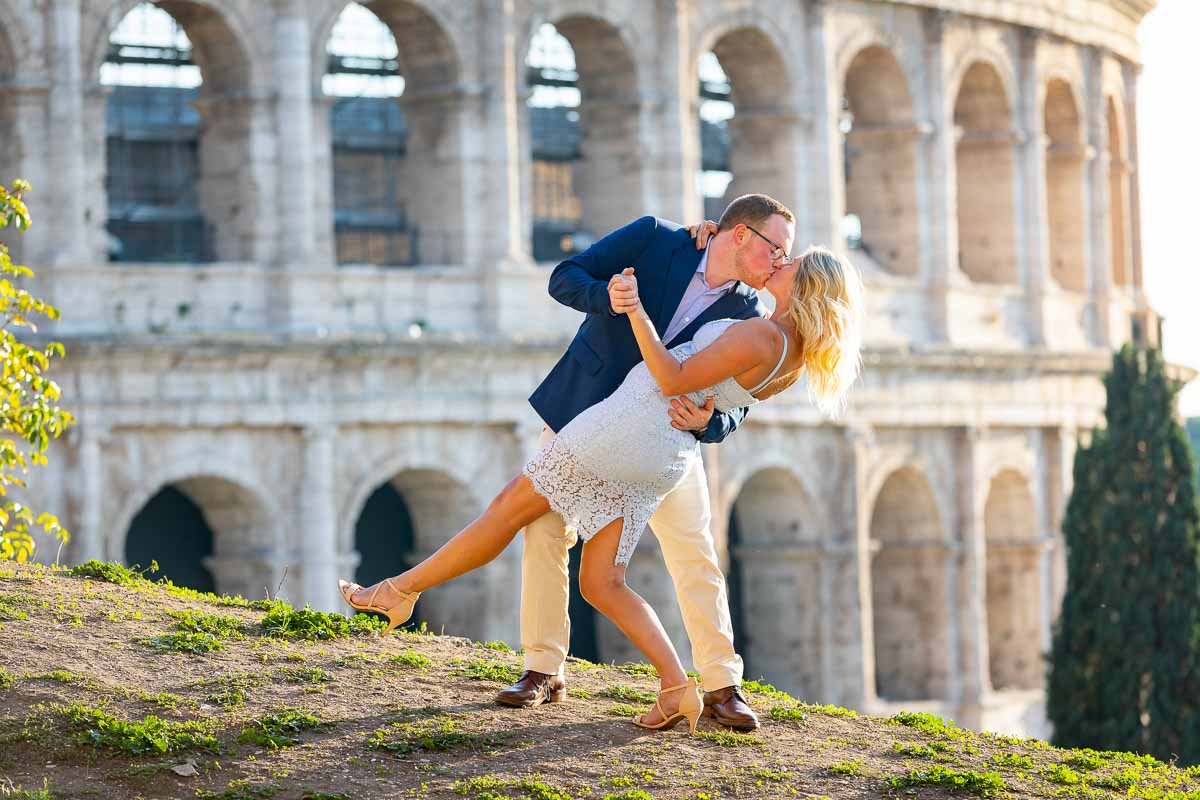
x: 607, y: 470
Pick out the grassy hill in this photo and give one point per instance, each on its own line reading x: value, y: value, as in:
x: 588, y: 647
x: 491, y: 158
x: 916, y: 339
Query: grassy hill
x: 115, y: 687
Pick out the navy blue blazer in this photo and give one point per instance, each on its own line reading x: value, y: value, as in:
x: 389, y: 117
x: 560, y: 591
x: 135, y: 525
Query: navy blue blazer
x: 664, y: 258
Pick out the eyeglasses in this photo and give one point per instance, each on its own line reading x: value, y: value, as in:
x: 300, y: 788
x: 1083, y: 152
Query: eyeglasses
x: 778, y: 254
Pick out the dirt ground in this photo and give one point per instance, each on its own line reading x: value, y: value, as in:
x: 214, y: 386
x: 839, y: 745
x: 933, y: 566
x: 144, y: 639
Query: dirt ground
x: 80, y: 642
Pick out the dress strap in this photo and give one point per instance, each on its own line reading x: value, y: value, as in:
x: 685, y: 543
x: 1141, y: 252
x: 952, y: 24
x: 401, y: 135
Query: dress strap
x: 778, y: 364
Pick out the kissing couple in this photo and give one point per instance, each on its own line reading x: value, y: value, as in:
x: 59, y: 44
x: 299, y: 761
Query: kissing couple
x: 675, y: 345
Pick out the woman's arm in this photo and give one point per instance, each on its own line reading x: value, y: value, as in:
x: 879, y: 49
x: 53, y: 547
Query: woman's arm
x: 736, y: 351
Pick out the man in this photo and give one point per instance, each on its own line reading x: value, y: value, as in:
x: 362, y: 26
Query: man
x: 681, y: 287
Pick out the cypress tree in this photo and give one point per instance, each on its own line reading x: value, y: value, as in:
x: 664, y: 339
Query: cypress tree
x: 1125, y: 660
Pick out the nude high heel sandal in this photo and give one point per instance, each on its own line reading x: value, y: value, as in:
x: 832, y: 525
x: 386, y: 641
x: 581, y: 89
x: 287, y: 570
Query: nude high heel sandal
x: 397, y: 614
x: 690, y: 706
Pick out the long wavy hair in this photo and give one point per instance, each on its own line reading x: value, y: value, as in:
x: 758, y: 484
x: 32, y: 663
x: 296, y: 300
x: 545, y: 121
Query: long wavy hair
x: 827, y: 308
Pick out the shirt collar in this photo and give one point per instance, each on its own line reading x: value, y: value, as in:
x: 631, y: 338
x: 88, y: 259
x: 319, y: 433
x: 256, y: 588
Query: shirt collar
x: 702, y: 269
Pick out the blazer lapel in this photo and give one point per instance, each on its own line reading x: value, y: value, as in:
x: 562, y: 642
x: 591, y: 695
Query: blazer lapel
x: 684, y: 261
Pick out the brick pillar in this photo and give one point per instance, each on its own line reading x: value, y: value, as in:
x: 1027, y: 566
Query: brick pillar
x: 972, y: 675
x: 852, y: 683
x: 89, y: 534
x: 22, y: 120
x: 318, y: 562
x: 670, y: 121
x: 296, y: 236
x: 1033, y: 212
x: 66, y: 240
x: 496, y: 231
x: 1061, y: 480
x: 237, y: 183
x: 324, y: 244
x: 937, y: 182
x: 822, y: 201
x: 1098, y: 202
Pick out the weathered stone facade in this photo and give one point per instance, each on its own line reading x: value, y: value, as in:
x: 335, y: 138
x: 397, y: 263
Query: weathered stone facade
x: 908, y: 554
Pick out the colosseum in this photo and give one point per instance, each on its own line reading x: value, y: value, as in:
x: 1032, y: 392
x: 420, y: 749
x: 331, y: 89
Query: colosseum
x: 301, y: 250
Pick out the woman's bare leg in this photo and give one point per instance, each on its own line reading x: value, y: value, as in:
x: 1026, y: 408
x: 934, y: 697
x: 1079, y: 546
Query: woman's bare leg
x: 602, y: 584
x: 475, y: 545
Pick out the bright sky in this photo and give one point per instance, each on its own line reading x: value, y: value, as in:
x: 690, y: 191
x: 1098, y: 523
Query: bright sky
x: 1168, y: 128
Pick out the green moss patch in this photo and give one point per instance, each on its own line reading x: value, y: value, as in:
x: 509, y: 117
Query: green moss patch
x: 982, y: 784
x: 281, y: 728
x: 151, y: 735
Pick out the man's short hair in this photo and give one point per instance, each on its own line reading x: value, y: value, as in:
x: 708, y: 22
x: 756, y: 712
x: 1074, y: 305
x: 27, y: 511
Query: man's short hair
x: 754, y: 210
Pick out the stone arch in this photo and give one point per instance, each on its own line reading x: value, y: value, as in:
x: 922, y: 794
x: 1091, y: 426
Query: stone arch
x: 881, y: 156
x: 765, y: 126
x: 775, y: 541
x: 584, y: 160
x: 1014, y: 603
x: 435, y: 57
x: 219, y: 161
x: 1118, y: 191
x: 974, y: 55
x: 986, y: 177
x: 386, y: 469
x: 910, y: 596
x: 1065, y: 164
x: 222, y: 42
x: 247, y: 555
x: 438, y: 505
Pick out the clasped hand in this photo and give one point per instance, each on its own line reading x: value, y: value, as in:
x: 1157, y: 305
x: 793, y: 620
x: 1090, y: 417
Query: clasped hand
x: 623, y: 292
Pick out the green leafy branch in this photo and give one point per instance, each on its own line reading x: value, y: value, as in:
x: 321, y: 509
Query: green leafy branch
x: 30, y: 415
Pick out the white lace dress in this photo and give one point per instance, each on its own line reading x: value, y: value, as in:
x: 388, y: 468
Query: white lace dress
x: 620, y: 457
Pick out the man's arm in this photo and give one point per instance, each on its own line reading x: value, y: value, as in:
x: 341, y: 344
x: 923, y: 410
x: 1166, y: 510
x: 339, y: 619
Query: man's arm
x: 701, y: 422
x: 721, y: 425
x: 581, y: 281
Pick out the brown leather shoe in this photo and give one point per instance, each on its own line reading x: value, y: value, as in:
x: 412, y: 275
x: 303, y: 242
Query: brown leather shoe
x: 728, y: 707
x: 534, y: 688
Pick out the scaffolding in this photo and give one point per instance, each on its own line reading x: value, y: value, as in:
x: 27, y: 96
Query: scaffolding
x: 559, y: 229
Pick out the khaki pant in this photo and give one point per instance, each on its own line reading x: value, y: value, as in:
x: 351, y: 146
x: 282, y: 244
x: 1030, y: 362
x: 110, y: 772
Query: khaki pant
x: 681, y: 524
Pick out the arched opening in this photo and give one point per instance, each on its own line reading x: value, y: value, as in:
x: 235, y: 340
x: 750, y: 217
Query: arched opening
x: 209, y: 534
x: 1065, y: 187
x: 1013, y: 584
x: 171, y: 530
x: 880, y: 145
x: 985, y: 161
x: 908, y: 590
x: 11, y: 154
x: 746, y: 121
x: 404, y: 520
x: 383, y: 537
x: 1118, y: 198
x: 394, y: 165
x: 774, y: 583
x: 177, y: 132
x: 585, y: 162
x: 370, y: 217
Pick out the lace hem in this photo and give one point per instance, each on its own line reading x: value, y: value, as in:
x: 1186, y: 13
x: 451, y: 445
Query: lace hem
x: 585, y: 501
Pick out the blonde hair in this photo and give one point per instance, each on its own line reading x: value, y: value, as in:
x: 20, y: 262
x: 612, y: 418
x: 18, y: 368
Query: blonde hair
x: 826, y: 308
